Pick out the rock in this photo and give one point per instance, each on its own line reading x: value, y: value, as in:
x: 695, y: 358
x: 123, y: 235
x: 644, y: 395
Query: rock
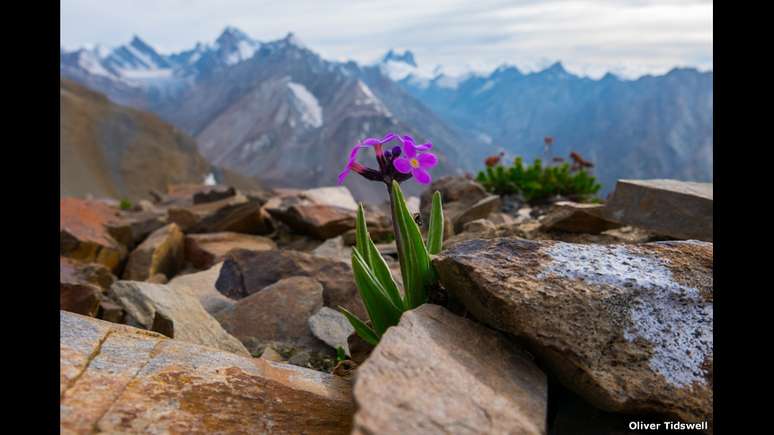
x: 437, y: 373
x: 213, y: 193
x: 245, y: 273
x: 173, y: 312
x: 204, y: 250
x: 323, y: 213
x: 478, y: 225
x: 678, y: 209
x: 628, y: 327
x: 279, y: 314
x: 573, y: 217
x: 117, y: 379
x: 359, y: 349
x: 83, y: 234
x: 453, y: 189
x: 81, y: 286
x: 202, y: 286
x: 479, y: 210
x: 131, y: 228
x: 162, y: 252
x: 158, y: 278
x: 335, y: 249
x: 271, y: 355
x: 236, y: 214
x: 331, y: 327
x: 110, y: 311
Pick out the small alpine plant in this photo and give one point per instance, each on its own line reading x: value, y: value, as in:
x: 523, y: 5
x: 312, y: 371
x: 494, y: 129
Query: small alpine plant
x: 373, y: 278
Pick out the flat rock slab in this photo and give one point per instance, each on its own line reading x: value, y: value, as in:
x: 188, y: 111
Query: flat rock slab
x: 247, y: 272
x: 628, y: 327
x: 83, y: 233
x: 118, y: 379
x: 437, y: 373
x: 161, y: 253
x: 277, y: 314
x: 202, y: 286
x: 204, y: 250
x: 173, y: 312
x: 332, y: 327
x: 679, y: 209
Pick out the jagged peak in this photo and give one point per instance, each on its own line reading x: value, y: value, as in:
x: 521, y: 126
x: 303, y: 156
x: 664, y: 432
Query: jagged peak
x: 406, y: 57
x: 231, y: 35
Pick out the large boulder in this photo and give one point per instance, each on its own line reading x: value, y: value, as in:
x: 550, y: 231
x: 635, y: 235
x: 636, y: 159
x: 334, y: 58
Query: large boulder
x: 247, y: 272
x: 204, y: 250
x: 323, y: 213
x: 238, y: 213
x: 162, y: 252
x: 83, y: 233
x: 628, y: 327
x: 202, y: 286
x: 173, y: 312
x: 117, y: 379
x: 277, y: 314
x: 679, y: 209
x: 437, y: 373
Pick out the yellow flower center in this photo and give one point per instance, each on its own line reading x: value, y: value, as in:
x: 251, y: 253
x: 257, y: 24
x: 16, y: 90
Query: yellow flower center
x: 414, y: 163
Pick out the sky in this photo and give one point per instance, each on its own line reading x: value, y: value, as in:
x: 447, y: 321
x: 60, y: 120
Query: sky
x: 629, y: 38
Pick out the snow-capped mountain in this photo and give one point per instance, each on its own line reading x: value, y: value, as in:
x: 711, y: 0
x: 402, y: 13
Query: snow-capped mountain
x: 274, y: 110
x: 278, y: 111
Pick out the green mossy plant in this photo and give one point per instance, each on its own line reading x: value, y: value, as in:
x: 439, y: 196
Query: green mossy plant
x: 537, y: 183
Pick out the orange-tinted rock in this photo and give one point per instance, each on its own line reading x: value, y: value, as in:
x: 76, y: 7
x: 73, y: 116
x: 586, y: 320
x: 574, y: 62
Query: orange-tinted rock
x: 247, y: 272
x: 204, y: 250
x: 83, y: 234
x: 437, y: 373
x: 117, y: 379
x: 279, y: 314
x: 627, y: 327
x: 161, y: 253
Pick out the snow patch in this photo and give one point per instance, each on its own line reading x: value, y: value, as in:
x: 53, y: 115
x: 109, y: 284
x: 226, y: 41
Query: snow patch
x: 674, y: 318
x: 367, y: 98
x: 89, y: 61
x: 209, y: 180
x: 311, y: 112
x: 486, y: 86
x: 396, y: 70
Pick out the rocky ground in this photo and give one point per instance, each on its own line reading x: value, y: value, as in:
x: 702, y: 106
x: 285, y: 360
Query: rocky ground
x: 213, y: 310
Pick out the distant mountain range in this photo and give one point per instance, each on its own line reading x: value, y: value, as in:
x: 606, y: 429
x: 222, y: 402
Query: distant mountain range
x: 278, y: 111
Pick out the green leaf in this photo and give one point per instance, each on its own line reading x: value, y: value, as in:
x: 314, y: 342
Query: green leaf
x: 382, y: 272
x: 373, y: 258
x: 412, y: 252
x: 435, y: 230
x: 361, y: 328
x: 381, y: 310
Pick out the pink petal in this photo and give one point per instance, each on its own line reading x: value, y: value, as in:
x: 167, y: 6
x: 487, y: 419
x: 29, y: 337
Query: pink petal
x: 370, y: 141
x: 343, y: 175
x: 410, y: 150
x: 354, y: 151
x: 422, y: 176
x: 388, y: 137
x: 402, y: 165
x: 424, y: 146
x: 427, y: 160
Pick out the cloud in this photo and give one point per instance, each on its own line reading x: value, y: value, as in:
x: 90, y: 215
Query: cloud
x: 589, y: 37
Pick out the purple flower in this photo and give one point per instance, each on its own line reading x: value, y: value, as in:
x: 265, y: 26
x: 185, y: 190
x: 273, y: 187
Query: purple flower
x: 366, y: 143
x: 416, y: 162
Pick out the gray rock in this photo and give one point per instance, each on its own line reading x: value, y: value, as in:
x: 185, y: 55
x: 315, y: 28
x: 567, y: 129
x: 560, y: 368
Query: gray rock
x: 202, y: 286
x: 332, y: 327
x: 577, y: 218
x: 678, y: 209
x: 174, y: 312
